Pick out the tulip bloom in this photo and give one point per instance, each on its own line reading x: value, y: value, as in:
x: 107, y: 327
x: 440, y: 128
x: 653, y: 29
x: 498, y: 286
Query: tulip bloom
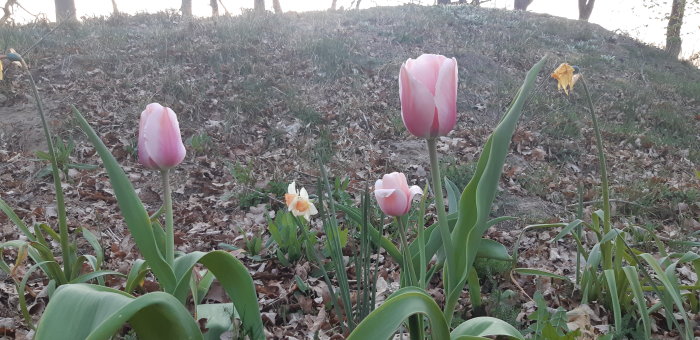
x: 298, y: 202
x: 160, y: 144
x: 428, y: 90
x: 393, y: 194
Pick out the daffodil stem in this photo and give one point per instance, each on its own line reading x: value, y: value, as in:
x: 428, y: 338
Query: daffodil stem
x: 169, y: 229
x: 68, y: 257
x: 606, y: 247
x: 440, y: 207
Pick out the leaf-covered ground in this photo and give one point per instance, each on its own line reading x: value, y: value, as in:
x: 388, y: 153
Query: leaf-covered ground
x: 259, y: 98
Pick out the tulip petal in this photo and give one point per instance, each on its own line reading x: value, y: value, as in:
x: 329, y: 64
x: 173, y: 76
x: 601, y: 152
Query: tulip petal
x: 144, y: 157
x: 397, y: 180
x: 392, y: 180
x: 162, y: 138
x: 392, y: 201
x: 446, y: 96
x: 415, y: 190
x: 379, y: 184
x: 417, y: 105
x: 426, y: 69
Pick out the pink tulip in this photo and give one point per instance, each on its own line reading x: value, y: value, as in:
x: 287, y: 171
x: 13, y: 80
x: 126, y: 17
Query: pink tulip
x: 160, y: 144
x: 428, y: 89
x: 393, y: 194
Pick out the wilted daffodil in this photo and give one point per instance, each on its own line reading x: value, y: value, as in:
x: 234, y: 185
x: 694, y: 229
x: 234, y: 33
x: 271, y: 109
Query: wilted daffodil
x: 564, y: 74
x: 298, y: 202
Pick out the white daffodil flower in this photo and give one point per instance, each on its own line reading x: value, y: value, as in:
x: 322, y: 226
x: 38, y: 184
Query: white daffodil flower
x: 298, y: 202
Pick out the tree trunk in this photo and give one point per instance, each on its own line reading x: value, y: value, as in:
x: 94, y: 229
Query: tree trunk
x: 585, y: 8
x: 333, y: 5
x: 276, y: 6
x: 65, y: 10
x: 521, y: 5
x: 214, y: 7
x: 115, y: 9
x: 7, y: 13
x: 259, y: 6
x: 673, y: 30
x: 186, y: 8
x: 357, y: 5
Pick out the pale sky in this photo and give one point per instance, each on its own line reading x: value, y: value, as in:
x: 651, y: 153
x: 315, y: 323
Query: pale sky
x: 628, y: 16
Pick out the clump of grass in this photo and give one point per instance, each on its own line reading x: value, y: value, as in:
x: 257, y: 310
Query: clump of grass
x: 250, y: 198
x: 458, y: 172
x: 562, y: 125
x: 324, y: 146
x: 200, y: 144
x: 331, y: 55
x: 655, y: 198
x: 242, y: 173
x: 537, y: 182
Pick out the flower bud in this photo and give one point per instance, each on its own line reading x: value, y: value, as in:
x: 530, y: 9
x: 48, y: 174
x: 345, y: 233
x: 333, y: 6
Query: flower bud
x: 160, y: 144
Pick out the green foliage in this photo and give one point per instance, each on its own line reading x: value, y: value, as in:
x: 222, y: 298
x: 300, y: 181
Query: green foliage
x: 289, y: 237
x: 253, y: 245
x: 174, y: 276
x: 242, y: 173
x: 340, y: 190
x: 308, y: 116
x: 81, y: 311
x: 477, y: 197
x: 458, y: 173
x: 654, y: 198
x: 63, y: 152
x: 549, y: 326
x: 250, y: 198
x: 612, y: 265
x: 324, y: 146
x: 331, y: 55
x: 488, y: 268
x: 502, y: 306
x: 200, y: 144
x: 563, y: 125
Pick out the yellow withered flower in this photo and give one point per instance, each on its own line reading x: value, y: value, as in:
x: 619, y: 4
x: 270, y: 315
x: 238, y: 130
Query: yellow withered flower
x: 564, y: 74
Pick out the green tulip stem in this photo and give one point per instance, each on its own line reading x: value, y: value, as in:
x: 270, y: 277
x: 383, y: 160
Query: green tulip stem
x: 60, y: 203
x: 408, y: 269
x: 605, y: 248
x: 408, y: 273
x: 168, y: 204
x: 440, y: 207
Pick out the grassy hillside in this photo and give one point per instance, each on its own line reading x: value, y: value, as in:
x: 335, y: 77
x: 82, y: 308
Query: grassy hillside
x: 259, y: 97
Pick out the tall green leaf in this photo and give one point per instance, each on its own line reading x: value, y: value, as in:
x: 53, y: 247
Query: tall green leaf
x: 477, y: 198
x: 633, y: 278
x: 83, y: 311
x: 383, y: 322
x: 235, y: 280
x: 485, y: 326
x: 16, y: 220
x: 672, y: 290
x: 135, y: 215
